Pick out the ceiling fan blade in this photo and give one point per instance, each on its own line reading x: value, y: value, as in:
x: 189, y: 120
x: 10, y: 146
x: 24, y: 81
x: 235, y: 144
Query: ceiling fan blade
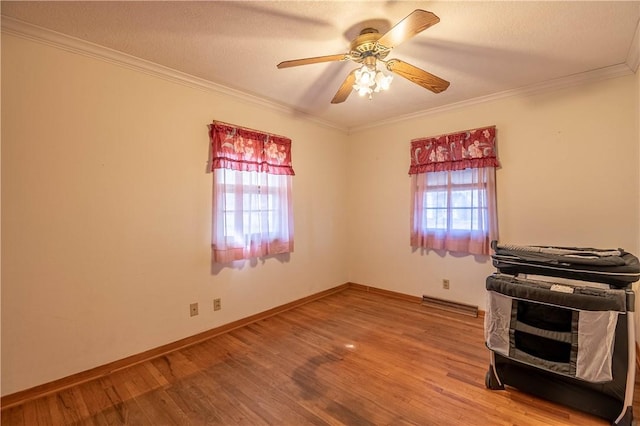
x: 418, y: 76
x: 417, y: 21
x: 345, y: 90
x: 315, y: 60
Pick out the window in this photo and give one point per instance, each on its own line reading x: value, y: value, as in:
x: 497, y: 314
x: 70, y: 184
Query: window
x: 452, y: 212
x: 252, y: 209
x: 453, y: 196
x: 454, y: 202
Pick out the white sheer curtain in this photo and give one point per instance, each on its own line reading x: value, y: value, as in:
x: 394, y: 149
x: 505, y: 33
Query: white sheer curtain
x: 454, y: 210
x: 252, y: 215
x: 252, y: 185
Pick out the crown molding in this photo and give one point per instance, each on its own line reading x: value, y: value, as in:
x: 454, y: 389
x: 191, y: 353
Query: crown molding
x: 25, y: 30
x: 613, y: 71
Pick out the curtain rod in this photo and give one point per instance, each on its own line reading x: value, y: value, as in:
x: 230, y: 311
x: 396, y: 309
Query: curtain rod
x: 249, y: 129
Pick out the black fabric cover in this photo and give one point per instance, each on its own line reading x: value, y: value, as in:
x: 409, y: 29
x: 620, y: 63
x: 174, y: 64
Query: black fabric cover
x: 585, y: 298
x: 619, y: 271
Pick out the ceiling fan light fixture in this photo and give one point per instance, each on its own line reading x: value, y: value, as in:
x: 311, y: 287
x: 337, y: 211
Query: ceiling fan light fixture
x: 383, y: 82
x: 365, y: 76
x: 370, y: 80
x: 363, y: 90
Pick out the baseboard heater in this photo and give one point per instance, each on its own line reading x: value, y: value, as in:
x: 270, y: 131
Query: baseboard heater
x: 447, y: 305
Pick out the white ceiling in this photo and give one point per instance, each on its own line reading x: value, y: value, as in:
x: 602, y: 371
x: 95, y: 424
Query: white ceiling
x: 482, y: 48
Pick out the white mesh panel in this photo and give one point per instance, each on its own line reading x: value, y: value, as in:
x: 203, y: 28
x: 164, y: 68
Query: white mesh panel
x: 596, y: 333
x: 496, y: 322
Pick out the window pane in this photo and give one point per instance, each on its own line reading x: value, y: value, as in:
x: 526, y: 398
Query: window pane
x: 435, y: 210
x: 229, y: 223
x: 229, y: 201
x: 436, y: 219
x: 439, y: 178
x: 465, y: 219
x: 460, y: 177
x: 461, y: 199
x: 435, y: 199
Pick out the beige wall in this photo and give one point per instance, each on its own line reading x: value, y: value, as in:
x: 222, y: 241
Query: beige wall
x: 106, y: 204
x: 106, y: 207
x: 569, y: 176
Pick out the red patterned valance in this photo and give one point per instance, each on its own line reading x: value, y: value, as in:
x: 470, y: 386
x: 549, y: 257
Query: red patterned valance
x: 242, y: 149
x: 470, y: 149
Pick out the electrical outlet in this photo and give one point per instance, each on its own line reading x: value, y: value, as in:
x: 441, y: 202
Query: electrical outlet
x: 193, y: 309
x: 217, y: 304
x: 445, y: 284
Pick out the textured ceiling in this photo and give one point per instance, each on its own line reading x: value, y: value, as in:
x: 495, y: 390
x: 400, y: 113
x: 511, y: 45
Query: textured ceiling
x: 482, y: 48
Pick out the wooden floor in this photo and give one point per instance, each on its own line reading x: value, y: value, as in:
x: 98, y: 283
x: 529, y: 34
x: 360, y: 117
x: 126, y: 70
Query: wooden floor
x: 352, y: 358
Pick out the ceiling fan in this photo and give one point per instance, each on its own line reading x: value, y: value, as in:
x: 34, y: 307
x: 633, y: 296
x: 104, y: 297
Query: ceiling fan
x: 371, y: 47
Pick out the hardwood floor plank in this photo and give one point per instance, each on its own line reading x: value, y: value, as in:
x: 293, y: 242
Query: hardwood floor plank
x: 192, y: 398
x: 161, y: 409
x: 13, y: 415
x: 124, y: 407
x: 175, y: 365
x: 350, y: 358
x: 70, y: 405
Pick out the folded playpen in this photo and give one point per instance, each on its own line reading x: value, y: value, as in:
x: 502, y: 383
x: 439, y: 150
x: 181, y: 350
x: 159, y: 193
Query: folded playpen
x: 560, y: 325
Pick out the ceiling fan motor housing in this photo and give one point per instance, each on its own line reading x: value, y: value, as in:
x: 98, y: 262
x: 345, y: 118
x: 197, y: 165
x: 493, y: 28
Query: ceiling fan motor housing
x: 366, y: 46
